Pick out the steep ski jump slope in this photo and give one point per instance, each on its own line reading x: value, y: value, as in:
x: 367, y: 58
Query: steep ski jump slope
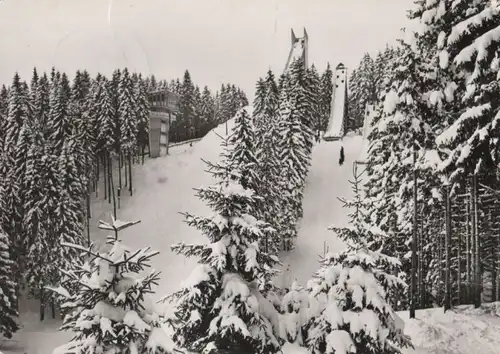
x: 325, y: 182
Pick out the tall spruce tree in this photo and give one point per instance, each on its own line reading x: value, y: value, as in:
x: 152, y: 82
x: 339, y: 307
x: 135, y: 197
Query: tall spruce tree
x: 325, y: 97
x: 8, y: 284
x: 127, y: 118
x: 225, y: 290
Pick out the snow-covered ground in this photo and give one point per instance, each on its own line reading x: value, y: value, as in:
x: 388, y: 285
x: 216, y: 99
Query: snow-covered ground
x: 164, y: 188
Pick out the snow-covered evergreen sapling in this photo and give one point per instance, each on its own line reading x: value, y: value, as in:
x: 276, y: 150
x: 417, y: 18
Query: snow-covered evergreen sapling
x: 221, y: 307
x: 294, y: 308
x: 103, y: 299
x: 350, y: 312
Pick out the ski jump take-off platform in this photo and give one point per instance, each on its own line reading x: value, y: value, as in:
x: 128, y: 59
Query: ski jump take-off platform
x: 338, y: 110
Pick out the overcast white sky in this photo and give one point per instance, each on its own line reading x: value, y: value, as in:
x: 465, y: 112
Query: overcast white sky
x: 217, y: 40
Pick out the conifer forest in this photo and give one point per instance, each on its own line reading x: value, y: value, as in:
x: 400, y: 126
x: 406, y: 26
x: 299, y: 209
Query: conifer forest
x: 402, y: 174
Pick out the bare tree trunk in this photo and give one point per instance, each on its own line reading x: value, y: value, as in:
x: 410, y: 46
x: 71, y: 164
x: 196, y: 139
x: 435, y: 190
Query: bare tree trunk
x: 42, y: 304
x: 105, y: 175
x: 413, y: 290
x: 53, y: 308
x: 120, y: 166
x: 447, y: 276
x: 421, y: 290
x: 130, y: 173
x: 110, y: 178
x: 89, y: 214
x: 477, y: 246
x: 468, y: 243
x: 440, y: 266
x: 126, y: 172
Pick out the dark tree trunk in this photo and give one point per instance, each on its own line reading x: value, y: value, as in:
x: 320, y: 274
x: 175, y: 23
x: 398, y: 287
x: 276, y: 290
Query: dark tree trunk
x: 447, y: 277
x: 120, y: 165
x: 42, y: 304
x: 110, y: 178
x: 105, y: 175
x: 413, y: 290
x: 477, y: 249
x: 130, y: 173
x: 53, y: 308
x: 468, y: 250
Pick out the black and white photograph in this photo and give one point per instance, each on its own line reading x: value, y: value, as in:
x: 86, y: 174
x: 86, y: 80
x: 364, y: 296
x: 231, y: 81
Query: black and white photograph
x: 249, y: 177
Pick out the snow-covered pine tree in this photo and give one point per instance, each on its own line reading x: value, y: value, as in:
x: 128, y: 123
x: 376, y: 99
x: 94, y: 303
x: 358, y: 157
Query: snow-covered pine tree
x: 268, y: 168
x: 142, y: 112
x: 41, y: 192
x: 363, y: 88
x: 271, y: 99
x: 59, y: 125
x: 243, y: 156
x: 471, y: 50
x: 293, y: 154
x: 197, y: 119
x: 326, y: 97
x: 8, y: 300
x: 258, y: 102
x: 186, y: 107
x: 349, y: 306
x: 403, y: 129
x: 301, y: 94
x: 294, y: 308
x: 207, y: 110
x: 4, y: 98
x: 242, y: 152
x: 114, y: 94
x: 153, y: 84
x: 41, y: 104
x: 19, y: 112
x: 102, y: 114
x: 220, y: 307
x: 313, y: 92
x: 104, y: 302
x: 127, y: 116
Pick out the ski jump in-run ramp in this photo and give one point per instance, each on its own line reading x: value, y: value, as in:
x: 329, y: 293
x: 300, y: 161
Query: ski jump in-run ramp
x: 338, y: 111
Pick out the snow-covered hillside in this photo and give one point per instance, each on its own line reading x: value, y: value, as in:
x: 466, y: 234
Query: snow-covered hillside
x: 164, y: 187
x: 325, y: 182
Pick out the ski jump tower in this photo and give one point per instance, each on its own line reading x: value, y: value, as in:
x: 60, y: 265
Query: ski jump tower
x: 299, y: 49
x: 338, y: 110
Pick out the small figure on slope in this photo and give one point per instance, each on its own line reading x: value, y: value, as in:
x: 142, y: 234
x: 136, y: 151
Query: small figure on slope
x: 342, y: 156
x: 103, y: 301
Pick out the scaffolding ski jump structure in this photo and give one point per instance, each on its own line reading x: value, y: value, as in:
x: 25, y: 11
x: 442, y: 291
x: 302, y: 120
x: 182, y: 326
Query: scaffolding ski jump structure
x: 299, y: 49
x: 338, y: 111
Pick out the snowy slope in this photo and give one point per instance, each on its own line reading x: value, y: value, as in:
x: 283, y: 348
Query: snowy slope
x: 325, y: 182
